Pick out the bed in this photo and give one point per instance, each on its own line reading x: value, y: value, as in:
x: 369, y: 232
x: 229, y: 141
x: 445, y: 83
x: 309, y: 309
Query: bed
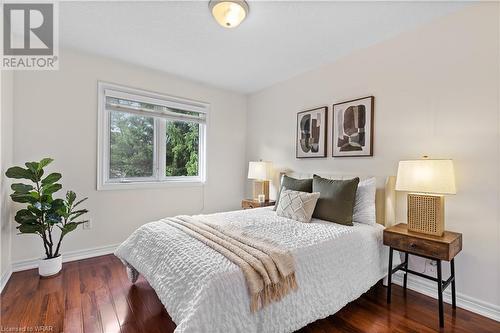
x: 205, y: 292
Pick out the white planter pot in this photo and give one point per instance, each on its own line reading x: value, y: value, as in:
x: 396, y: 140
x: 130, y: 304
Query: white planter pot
x: 49, y: 267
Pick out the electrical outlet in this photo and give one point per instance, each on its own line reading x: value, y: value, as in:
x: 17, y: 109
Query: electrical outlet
x: 87, y: 225
x: 431, y: 267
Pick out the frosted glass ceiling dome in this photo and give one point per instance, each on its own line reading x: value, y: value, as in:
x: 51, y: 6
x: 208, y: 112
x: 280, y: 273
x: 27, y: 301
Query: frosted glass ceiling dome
x: 229, y: 13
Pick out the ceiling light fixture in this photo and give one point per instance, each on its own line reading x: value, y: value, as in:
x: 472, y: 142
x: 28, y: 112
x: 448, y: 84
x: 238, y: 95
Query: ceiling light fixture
x: 229, y: 13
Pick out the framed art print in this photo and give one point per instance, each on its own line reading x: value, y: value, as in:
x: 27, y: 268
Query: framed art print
x: 311, y: 133
x: 352, y: 126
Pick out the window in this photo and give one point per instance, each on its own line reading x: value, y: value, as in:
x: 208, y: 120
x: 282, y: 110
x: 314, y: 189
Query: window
x: 149, y: 139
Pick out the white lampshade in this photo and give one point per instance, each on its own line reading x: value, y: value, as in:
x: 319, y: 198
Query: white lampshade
x: 426, y: 176
x: 259, y: 170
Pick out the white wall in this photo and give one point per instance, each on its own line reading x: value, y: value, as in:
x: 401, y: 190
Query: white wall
x: 436, y: 92
x: 6, y: 136
x: 56, y: 116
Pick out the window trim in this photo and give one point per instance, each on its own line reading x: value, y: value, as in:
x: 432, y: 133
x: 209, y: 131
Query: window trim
x: 103, y: 138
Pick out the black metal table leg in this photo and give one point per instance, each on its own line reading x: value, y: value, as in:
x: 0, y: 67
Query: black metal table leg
x: 453, y: 295
x: 405, y: 281
x: 440, y: 293
x: 389, y: 276
x: 442, y: 285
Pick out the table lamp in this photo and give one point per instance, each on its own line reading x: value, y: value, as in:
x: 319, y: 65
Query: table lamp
x: 260, y: 172
x: 427, y: 180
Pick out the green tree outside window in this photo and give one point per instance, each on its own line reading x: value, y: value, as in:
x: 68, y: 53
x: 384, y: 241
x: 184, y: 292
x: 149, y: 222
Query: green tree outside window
x: 132, y: 147
x: 182, y: 140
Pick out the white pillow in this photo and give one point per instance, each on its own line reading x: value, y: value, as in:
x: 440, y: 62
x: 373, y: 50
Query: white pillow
x: 296, y: 205
x: 364, y: 207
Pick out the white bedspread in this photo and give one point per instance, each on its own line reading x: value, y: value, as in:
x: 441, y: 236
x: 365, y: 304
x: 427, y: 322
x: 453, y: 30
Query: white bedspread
x: 204, y: 292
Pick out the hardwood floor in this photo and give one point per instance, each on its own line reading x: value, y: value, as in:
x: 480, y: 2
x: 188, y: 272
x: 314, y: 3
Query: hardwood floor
x: 94, y: 295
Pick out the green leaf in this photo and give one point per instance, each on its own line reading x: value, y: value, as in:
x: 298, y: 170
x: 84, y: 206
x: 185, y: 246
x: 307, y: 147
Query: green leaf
x: 23, y: 212
x: 62, y: 213
x: 79, y: 211
x: 70, y: 197
x: 34, y: 210
x: 35, y: 195
x: 79, y: 202
x: 44, y: 162
x: 53, y: 218
x: 74, y: 215
x: 25, y: 216
x: 32, y: 166
x: 19, y: 173
x: 21, y: 188
x: 57, y: 204
x: 30, y: 229
x: 43, y: 206
x: 52, y: 178
x: 69, y: 227
x: 22, y: 197
x: 49, y: 189
x: 46, y: 198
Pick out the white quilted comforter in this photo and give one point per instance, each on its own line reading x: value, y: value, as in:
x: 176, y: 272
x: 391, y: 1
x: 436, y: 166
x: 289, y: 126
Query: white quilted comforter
x: 204, y: 292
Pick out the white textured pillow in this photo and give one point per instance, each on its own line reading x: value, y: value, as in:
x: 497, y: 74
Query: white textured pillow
x: 364, y: 208
x: 297, y: 205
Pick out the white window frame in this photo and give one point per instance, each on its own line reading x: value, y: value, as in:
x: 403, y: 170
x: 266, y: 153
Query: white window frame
x: 159, y: 157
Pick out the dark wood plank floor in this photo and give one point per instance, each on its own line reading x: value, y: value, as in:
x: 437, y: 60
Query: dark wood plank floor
x: 94, y: 295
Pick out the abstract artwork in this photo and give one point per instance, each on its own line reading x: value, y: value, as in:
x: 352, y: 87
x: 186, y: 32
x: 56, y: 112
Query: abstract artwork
x: 311, y: 133
x: 353, y: 128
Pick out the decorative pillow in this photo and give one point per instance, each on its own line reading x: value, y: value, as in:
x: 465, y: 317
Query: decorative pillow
x: 336, y: 200
x: 364, y: 208
x: 302, y: 185
x: 296, y: 205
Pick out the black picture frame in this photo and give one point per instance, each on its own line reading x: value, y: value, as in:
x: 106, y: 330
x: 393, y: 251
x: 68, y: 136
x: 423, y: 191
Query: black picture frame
x: 368, y: 104
x: 322, y: 132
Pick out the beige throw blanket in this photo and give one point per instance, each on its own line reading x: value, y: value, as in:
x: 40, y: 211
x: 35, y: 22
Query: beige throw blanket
x: 269, y: 271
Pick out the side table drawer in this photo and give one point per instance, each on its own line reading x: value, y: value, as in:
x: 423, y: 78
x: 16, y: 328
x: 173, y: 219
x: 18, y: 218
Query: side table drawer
x: 418, y: 246
x: 249, y: 205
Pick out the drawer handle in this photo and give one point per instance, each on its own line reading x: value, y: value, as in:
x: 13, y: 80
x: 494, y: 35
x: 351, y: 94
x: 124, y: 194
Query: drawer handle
x: 413, y: 245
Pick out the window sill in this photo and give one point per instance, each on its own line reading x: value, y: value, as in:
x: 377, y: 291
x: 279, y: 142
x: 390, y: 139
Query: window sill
x: 149, y: 185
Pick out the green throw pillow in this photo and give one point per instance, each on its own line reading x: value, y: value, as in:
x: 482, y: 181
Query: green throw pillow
x: 302, y: 185
x: 336, y: 200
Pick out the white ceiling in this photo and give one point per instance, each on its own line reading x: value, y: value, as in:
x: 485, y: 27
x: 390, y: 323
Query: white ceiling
x: 278, y: 40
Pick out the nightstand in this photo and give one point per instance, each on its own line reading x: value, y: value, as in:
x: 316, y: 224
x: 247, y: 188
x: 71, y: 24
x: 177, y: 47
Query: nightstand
x: 430, y: 247
x: 250, y: 203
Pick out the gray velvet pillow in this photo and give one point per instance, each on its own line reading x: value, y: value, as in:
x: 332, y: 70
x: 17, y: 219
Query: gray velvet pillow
x: 302, y: 185
x: 336, y: 200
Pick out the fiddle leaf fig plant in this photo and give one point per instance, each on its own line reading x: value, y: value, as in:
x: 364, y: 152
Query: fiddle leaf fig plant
x: 43, y: 213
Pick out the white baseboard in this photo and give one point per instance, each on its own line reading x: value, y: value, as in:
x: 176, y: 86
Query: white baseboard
x: 466, y: 302
x: 5, y: 278
x: 67, y: 256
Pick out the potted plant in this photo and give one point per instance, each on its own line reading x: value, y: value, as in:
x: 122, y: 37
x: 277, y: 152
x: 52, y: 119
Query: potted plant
x: 44, y: 215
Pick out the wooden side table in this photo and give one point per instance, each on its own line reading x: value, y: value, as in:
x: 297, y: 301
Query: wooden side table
x: 430, y: 247
x: 250, y: 203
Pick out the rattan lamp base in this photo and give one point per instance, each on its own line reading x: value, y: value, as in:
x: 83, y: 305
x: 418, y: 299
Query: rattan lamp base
x: 426, y: 214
